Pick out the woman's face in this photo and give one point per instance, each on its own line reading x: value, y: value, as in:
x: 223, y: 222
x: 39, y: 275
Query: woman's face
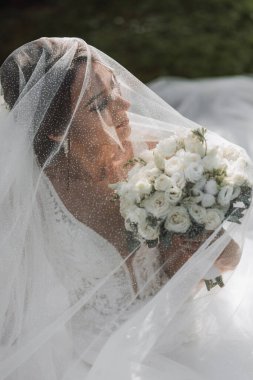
x: 102, y: 112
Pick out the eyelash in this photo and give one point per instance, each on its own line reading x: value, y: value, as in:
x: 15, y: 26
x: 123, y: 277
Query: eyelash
x: 103, y: 104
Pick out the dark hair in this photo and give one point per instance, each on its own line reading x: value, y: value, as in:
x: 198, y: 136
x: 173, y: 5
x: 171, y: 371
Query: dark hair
x: 58, y: 114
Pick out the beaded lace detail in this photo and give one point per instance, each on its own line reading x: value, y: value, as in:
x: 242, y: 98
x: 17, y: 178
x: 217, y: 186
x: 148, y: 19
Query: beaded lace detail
x: 82, y: 258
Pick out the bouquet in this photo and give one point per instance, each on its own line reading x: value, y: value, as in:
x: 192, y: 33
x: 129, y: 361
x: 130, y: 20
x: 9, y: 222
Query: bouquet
x: 184, y: 186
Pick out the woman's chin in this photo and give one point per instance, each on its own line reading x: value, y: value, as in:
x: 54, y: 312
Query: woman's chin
x: 124, y: 132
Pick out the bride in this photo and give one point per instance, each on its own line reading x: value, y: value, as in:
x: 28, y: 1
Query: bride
x: 80, y: 298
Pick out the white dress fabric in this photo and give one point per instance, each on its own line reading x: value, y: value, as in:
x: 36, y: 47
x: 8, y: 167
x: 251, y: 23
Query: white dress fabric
x: 94, y: 257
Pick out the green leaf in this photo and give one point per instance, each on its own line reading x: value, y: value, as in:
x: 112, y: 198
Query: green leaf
x: 165, y: 238
x: 132, y: 242
x: 152, y: 243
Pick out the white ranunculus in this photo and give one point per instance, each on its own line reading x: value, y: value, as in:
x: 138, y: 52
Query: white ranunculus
x: 178, y: 179
x: 208, y: 200
x: 214, y: 217
x: 211, y: 187
x: 157, y: 204
x: 148, y: 232
x: 194, y: 145
x: 225, y: 195
x: 135, y: 215
x: 173, y: 165
x: 213, y: 160
x: 177, y: 220
x: 235, y: 177
x: 173, y: 194
x: 167, y: 147
x: 158, y: 160
x: 163, y: 182
x: 193, y: 172
x: 231, y: 152
x: 198, y: 213
x: 143, y: 186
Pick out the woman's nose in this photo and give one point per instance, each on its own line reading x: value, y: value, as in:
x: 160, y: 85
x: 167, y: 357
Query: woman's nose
x: 121, y: 103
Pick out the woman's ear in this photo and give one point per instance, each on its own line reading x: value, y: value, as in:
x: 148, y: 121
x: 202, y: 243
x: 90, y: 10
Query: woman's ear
x: 57, y: 138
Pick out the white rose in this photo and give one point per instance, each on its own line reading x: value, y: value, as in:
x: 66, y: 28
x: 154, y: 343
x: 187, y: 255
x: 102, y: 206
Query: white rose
x: 214, y: 218
x: 194, y: 145
x: 188, y: 157
x: 198, y: 213
x: 143, y: 186
x: 158, y: 160
x: 213, y: 160
x: 148, y: 232
x: 193, y: 172
x: 173, y: 194
x: 225, y: 195
x: 157, y: 204
x: 177, y: 220
x: 163, y: 182
x: 167, y: 147
x: 178, y: 179
x: 211, y: 187
x: 208, y: 200
x: 173, y: 165
x: 125, y: 206
x: 125, y: 191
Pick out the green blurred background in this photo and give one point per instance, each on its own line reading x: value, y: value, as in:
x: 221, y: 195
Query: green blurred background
x: 152, y: 38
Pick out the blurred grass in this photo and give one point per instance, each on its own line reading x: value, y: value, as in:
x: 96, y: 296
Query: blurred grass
x: 187, y: 38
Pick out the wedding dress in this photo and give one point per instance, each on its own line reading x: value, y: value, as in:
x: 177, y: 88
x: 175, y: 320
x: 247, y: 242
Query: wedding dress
x: 69, y: 306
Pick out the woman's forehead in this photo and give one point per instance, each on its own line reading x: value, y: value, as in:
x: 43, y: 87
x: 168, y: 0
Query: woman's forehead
x: 100, y: 80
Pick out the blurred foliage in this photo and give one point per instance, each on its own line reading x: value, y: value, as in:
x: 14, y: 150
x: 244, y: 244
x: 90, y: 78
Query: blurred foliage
x: 187, y: 38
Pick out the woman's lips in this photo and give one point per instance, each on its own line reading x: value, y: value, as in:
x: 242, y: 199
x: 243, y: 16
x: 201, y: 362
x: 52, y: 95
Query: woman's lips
x: 124, y: 123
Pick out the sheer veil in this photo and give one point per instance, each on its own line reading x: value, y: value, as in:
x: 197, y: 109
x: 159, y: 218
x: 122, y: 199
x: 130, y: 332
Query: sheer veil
x: 74, y: 293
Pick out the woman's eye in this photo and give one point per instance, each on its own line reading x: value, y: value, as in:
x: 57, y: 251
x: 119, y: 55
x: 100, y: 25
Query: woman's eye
x: 100, y: 106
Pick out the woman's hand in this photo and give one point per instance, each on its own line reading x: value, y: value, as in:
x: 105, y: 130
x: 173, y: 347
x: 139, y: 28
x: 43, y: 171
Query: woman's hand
x: 182, y: 248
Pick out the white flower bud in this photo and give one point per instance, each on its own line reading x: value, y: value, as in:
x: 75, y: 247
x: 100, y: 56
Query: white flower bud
x: 143, y: 186
x: 208, y: 200
x: 159, y: 160
x: 211, y: 187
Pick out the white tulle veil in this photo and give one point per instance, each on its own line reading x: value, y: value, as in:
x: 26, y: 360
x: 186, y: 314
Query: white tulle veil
x: 44, y: 294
